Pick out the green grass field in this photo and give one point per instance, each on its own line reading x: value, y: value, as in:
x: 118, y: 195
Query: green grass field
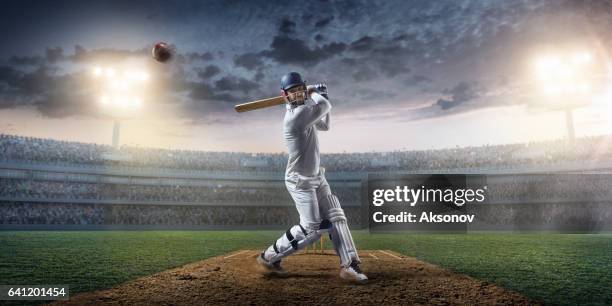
x: 555, y: 268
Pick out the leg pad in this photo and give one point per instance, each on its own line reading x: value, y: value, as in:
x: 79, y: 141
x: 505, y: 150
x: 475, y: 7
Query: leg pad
x: 340, y: 234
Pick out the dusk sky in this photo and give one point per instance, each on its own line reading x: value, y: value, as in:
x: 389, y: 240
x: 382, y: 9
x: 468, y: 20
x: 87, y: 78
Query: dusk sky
x: 402, y: 75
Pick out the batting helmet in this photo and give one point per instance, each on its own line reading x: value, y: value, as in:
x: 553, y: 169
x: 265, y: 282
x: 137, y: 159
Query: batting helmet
x: 291, y: 79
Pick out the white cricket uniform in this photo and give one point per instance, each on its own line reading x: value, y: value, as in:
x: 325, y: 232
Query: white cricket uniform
x: 305, y: 181
x: 304, y: 178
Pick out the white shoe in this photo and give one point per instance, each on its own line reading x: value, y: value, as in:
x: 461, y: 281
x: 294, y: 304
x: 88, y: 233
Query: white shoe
x: 271, y: 267
x: 353, y: 273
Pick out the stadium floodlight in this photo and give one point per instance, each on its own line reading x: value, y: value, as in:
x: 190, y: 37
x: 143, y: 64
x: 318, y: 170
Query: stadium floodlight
x: 119, y: 92
x: 105, y: 100
x: 137, y: 102
x: 565, y: 77
x: 135, y: 75
x: 109, y: 72
x: 97, y: 71
x: 581, y: 58
x: 546, y: 66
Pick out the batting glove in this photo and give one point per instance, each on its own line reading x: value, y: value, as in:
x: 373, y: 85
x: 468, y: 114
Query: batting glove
x: 321, y: 88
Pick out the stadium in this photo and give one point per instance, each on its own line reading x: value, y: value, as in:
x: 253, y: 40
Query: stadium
x: 192, y: 152
x: 53, y: 185
x: 50, y: 184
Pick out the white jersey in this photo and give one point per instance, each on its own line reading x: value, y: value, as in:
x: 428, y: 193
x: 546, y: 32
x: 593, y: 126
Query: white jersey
x: 300, y: 131
x: 310, y: 190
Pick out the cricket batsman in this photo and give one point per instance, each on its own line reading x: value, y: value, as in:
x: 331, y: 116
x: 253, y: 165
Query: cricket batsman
x: 318, y: 207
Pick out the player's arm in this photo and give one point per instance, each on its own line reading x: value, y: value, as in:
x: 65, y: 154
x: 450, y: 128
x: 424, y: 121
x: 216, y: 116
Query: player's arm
x: 320, y: 110
x: 314, y: 113
x: 323, y: 124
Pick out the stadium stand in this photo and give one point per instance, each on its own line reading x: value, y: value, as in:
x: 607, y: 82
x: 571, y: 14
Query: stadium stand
x: 59, y: 184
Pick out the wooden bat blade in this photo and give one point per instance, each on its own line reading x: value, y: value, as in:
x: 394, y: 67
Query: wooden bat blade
x: 249, y: 106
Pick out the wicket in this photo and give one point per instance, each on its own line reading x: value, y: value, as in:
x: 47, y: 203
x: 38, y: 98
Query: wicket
x: 314, y: 246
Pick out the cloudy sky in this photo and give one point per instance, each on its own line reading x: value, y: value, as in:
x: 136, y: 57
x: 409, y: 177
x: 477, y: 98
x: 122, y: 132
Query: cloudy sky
x: 401, y: 75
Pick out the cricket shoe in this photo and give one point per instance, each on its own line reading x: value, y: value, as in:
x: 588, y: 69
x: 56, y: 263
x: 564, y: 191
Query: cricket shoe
x: 271, y: 267
x: 353, y: 273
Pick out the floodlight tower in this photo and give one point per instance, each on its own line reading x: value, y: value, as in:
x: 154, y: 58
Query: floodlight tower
x: 119, y: 94
x: 116, y: 133
x: 565, y: 76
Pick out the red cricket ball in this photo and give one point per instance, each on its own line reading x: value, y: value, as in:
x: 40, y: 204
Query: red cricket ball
x: 162, y: 52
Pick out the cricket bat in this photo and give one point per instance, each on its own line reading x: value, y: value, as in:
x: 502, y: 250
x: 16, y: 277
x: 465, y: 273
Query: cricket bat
x: 249, y: 106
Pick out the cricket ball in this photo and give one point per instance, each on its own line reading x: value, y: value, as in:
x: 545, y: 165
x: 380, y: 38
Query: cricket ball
x: 162, y: 52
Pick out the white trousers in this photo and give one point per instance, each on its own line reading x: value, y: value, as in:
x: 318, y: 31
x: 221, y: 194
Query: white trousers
x: 312, y: 200
x: 310, y: 197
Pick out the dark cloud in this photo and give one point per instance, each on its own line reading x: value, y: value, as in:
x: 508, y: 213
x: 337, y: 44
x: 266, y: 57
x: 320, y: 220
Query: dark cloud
x: 416, y: 80
x: 105, y: 54
x: 461, y: 93
x: 206, y: 97
x: 54, y: 54
x: 194, y: 56
x: 376, y: 57
x: 307, y: 17
x: 365, y: 43
x: 10, y: 87
x: 209, y: 72
x: 201, y: 91
x: 360, y: 71
x: 28, y: 84
x: 367, y: 94
x: 287, y: 26
x: 259, y: 76
x: 404, y: 37
x: 287, y: 50
x: 323, y: 22
x: 250, y: 61
x: 199, y: 99
x: 52, y: 94
x: 10, y: 77
x: 61, y: 103
x: 388, y: 56
x: 392, y: 45
x: 26, y: 60
x: 232, y: 83
x: 191, y: 57
x: 56, y: 93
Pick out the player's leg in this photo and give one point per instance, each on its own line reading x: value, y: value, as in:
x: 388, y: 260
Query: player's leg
x: 309, y: 230
x: 340, y: 234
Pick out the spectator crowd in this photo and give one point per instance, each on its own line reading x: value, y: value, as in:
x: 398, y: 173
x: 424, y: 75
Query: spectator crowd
x: 579, y: 199
x: 30, y: 213
x: 17, y: 148
x: 273, y: 195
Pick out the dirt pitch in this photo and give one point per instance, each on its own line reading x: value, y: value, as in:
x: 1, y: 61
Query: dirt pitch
x: 313, y: 279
